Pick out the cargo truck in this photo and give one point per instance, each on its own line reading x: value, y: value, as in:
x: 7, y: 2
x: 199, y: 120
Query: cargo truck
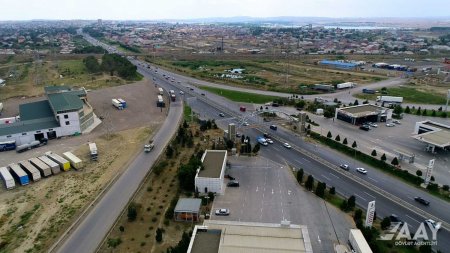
x: 63, y: 163
x: 53, y: 165
x: 345, y: 85
x: 93, y: 151
x: 75, y: 162
x: 117, y: 104
x: 357, y: 242
x: 7, y: 178
x: 261, y: 140
x: 389, y: 99
x: 7, y: 145
x: 43, y: 168
x: 161, y: 91
x: 122, y: 102
x: 160, y: 102
x: 31, y: 145
x: 18, y: 174
x: 32, y: 172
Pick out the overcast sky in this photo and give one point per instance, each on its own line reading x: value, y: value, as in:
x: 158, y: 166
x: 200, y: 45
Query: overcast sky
x: 186, y: 9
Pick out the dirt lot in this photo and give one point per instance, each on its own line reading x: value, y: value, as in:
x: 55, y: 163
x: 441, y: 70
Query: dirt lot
x: 152, y: 200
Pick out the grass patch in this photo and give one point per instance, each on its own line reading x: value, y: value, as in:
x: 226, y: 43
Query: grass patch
x: 410, y: 95
x: 239, y: 96
x: 187, y: 111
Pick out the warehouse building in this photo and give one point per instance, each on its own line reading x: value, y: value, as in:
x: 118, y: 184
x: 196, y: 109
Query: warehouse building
x: 434, y: 134
x: 210, y: 178
x: 359, y: 114
x: 231, y: 236
x: 65, y: 112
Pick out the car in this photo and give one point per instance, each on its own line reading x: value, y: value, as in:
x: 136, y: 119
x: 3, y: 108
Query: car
x: 178, y: 82
x: 361, y: 170
x: 221, y: 114
x: 230, y: 177
x: 286, y: 145
x: 191, y: 88
x: 223, y: 212
x: 390, y: 124
x: 395, y: 219
x: 233, y: 183
x: 344, y: 166
x: 422, y: 201
x: 396, y: 122
x: 238, y: 134
x: 364, y: 127
x: 273, y: 127
x: 246, y: 124
x: 372, y: 124
x: 433, y: 224
x: 269, y: 141
x: 203, y: 94
x: 181, y: 92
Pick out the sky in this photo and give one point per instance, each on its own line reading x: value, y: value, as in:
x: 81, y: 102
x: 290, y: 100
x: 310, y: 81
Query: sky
x: 189, y: 9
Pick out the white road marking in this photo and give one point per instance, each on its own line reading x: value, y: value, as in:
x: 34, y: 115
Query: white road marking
x: 412, y: 218
x: 298, y: 161
x: 370, y: 195
x: 289, y: 192
x: 256, y: 188
x: 272, y: 191
x: 277, y: 149
x: 360, y: 197
x: 326, y: 177
x: 334, y: 175
x: 318, y: 239
x: 372, y: 179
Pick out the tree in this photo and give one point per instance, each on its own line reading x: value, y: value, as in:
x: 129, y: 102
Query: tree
x: 443, y: 114
x: 356, y: 102
x: 358, y: 215
x: 407, y: 109
x: 394, y: 161
x: 374, y: 153
x: 309, y: 183
x: 419, y: 173
x: 385, y: 223
x: 419, y: 111
x: 383, y: 157
x: 332, y: 190
x: 169, y: 151
x: 351, y: 202
x: 445, y: 187
x: 424, y: 112
x: 397, y: 109
x: 433, y: 113
x: 91, y: 64
x: 300, y: 174
x: 300, y: 104
x: 354, y: 145
x: 345, y: 141
x: 344, y: 205
x: 329, y: 134
x: 121, y: 229
x: 132, y: 212
x: 320, y: 189
x: 159, y: 235
x: 338, y: 138
x: 256, y: 148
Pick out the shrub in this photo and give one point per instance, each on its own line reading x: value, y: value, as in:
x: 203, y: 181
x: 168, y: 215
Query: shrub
x: 374, y: 153
x: 351, y: 202
x: 383, y: 158
x: 338, y: 138
x: 445, y: 187
x: 300, y: 174
x: 344, y: 205
x: 329, y: 134
x: 358, y: 215
x: 132, y: 211
x: 332, y: 190
x: 309, y: 183
x: 159, y: 236
x: 114, y: 242
x: 121, y: 228
x: 345, y: 141
x: 419, y: 173
x: 354, y: 145
x: 385, y: 223
x: 394, y: 161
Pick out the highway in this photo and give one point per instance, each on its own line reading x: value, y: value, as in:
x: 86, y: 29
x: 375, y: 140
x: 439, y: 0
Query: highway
x: 391, y: 195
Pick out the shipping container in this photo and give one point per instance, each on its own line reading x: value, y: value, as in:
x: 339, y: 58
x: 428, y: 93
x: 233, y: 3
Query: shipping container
x: 122, y: 102
x: 18, y: 174
x: 116, y: 104
x: 358, y: 242
x: 32, y: 172
x: 7, y: 145
x: 53, y: 165
x: 93, y: 151
x: 7, y: 178
x: 63, y: 163
x: 75, y: 162
x: 43, y: 168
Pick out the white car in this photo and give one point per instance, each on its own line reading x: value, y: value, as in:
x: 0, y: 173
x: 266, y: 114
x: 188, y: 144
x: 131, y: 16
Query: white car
x: 269, y: 141
x: 223, y: 212
x: 390, y: 124
x: 246, y: 124
x: 181, y: 92
x: 286, y: 145
x: 433, y: 224
x: 396, y: 122
x: 361, y: 170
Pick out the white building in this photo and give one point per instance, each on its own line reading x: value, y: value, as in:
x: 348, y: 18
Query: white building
x: 65, y: 112
x: 210, y: 178
x: 433, y: 134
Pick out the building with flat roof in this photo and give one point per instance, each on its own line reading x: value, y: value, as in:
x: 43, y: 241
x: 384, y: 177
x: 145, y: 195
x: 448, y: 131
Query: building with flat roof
x: 210, y: 178
x: 232, y: 236
x: 359, y: 114
x: 338, y: 64
x: 187, y: 209
x: 435, y: 135
x: 65, y: 112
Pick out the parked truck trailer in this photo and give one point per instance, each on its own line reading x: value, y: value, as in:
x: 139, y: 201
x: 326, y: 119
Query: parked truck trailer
x: 358, y: 242
x: 75, y: 162
x: 7, y: 145
x: 160, y: 91
x: 122, y: 102
x: 390, y: 99
x: 117, y: 104
x: 93, y: 151
x: 345, y: 85
x: 53, y: 165
x: 63, y: 163
x: 43, y: 168
x: 7, y: 178
x: 18, y: 174
x: 32, y: 172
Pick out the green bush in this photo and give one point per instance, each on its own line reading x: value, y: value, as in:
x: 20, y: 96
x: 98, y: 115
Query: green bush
x: 114, y: 242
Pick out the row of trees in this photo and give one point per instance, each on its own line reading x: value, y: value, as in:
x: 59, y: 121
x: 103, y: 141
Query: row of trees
x: 113, y: 64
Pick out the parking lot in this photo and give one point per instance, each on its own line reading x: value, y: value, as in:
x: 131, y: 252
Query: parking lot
x: 269, y: 193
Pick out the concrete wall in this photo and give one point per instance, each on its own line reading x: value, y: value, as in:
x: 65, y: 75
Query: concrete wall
x: 20, y: 138
x: 215, y: 185
x: 74, y: 123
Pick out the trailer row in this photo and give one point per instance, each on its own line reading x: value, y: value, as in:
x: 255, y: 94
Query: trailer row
x: 36, y: 168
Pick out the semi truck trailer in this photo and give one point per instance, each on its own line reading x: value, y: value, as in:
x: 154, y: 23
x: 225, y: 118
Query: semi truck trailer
x: 63, y: 163
x: 32, y: 172
x: 117, y: 104
x: 7, y: 178
x: 54, y: 167
x: 18, y: 174
x: 358, y: 242
x: 93, y: 150
x: 43, y: 168
x: 75, y: 162
x: 390, y: 99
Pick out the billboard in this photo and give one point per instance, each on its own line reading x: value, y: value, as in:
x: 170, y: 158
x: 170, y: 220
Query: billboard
x: 370, y: 213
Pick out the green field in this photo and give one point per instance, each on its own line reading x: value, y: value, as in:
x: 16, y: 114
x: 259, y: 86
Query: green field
x: 410, y: 95
x: 239, y: 96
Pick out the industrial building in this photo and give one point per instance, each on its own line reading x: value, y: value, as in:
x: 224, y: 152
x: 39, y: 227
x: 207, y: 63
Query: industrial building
x: 231, y: 236
x: 187, y: 210
x: 359, y: 114
x: 64, y: 112
x: 338, y: 64
x: 210, y: 178
x: 434, y: 134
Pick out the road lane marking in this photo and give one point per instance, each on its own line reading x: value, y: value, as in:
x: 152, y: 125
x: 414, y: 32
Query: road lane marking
x: 289, y: 192
x: 272, y: 191
x: 360, y: 197
x: 334, y: 175
x: 372, y: 179
x: 256, y: 188
x: 318, y: 239
x: 412, y: 219
x: 298, y: 161
x: 326, y: 177
x: 370, y: 195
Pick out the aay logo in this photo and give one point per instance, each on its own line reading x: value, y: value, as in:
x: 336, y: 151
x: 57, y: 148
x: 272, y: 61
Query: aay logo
x: 402, y: 232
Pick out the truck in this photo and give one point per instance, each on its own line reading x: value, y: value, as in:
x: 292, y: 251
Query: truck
x: 160, y: 102
x: 389, y: 99
x: 161, y: 91
x: 63, y: 163
x: 261, y: 140
x: 357, y: 242
x: 32, y: 172
x: 31, y: 145
x: 75, y: 162
x: 7, y: 145
x: 148, y: 147
x: 345, y: 85
x: 55, y: 168
x: 93, y: 151
x: 18, y: 174
x: 43, y: 168
x: 368, y: 91
x: 117, y: 104
x: 7, y: 178
x: 122, y: 102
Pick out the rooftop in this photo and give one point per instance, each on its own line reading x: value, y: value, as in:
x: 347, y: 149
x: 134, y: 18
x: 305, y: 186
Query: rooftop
x: 64, y: 102
x: 28, y: 126
x: 363, y: 110
x: 213, y: 161
x: 439, y: 136
x: 35, y: 110
x: 207, y: 241
x: 188, y: 205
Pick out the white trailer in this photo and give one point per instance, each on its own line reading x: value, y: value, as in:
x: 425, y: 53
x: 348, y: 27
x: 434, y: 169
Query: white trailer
x: 7, y: 178
x: 94, y: 151
x: 390, y: 99
x: 358, y: 242
x: 116, y: 104
x: 63, y: 163
x: 75, y: 162
x: 161, y: 91
x: 1, y: 107
x: 41, y: 166
x: 53, y: 165
x: 345, y: 85
x: 32, y: 172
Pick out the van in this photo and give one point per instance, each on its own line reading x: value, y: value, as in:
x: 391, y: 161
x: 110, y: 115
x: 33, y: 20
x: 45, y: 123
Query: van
x: 242, y: 109
x: 273, y: 127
